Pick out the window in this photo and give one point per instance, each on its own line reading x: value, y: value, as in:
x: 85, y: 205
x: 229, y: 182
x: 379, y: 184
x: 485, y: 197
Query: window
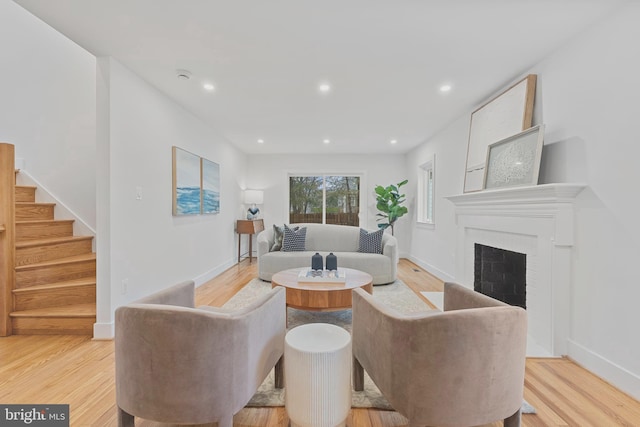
x: 426, y: 186
x: 324, y: 199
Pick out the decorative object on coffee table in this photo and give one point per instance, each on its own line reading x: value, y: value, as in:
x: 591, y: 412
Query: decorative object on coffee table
x: 317, y: 262
x: 332, y: 262
x: 322, y: 276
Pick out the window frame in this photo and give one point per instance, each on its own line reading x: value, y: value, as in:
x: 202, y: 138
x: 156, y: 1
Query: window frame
x: 426, y: 208
x: 362, y: 217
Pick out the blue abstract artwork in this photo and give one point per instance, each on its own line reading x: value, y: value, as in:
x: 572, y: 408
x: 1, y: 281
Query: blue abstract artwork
x: 210, y: 187
x: 186, y: 183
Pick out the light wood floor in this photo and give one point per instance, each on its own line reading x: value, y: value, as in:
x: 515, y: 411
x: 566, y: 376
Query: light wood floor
x: 80, y: 372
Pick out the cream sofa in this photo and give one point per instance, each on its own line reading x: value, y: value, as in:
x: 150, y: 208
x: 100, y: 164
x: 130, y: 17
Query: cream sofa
x: 342, y: 240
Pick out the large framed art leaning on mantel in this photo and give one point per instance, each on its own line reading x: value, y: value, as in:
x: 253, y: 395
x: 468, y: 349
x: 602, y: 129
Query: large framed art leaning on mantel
x: 509, y: 113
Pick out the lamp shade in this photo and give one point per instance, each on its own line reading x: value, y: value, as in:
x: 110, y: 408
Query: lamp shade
x: 253, y: 196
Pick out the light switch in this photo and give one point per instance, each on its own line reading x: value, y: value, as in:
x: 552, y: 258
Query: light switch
x: 138, y: 193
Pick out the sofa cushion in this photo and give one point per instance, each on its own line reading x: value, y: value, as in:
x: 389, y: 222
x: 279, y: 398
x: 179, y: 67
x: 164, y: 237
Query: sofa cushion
x: 278, y: 235
x: 294, y: 240
x: 370, y: 242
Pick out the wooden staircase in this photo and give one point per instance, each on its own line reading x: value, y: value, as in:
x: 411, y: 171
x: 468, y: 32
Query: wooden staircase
x: 55, y: 272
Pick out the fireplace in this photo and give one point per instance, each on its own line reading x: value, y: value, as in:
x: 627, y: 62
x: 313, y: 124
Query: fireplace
x: 534, y: 225
x: 501, y: 274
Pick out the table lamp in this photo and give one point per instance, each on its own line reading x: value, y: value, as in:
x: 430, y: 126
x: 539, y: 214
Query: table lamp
x: 253, y: 198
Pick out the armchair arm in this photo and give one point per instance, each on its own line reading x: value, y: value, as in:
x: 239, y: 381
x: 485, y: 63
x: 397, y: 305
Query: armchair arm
x: 182, y: 294
x: 458, y: 297
x: 381, y: 341
x: 261, y: 344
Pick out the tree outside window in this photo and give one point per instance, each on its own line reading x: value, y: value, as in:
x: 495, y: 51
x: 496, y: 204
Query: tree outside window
x: 324, y: 199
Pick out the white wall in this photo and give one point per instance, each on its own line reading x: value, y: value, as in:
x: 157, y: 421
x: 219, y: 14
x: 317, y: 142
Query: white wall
x: 269, y: 172
x: 47, y: 85
x: 433, y: 246
x: 145, y: 244
x: 587, y: 96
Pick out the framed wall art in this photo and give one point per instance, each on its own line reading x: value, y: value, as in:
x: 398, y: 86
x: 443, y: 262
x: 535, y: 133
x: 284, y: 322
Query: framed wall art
x: 186, y: 182
x: 515, y: 161
x: 210, y: 187
x: 507, y: 114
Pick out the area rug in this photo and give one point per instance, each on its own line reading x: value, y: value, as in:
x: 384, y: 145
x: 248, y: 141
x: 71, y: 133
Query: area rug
x: 397, y: 295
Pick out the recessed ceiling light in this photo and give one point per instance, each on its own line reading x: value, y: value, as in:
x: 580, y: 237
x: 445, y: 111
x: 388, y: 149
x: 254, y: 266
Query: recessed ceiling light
x: 261, y: 141
x: 445, y: 88
x: 324, y: 87
x: 326, y: 141
x: 394, y: 141
x: 208, y: 87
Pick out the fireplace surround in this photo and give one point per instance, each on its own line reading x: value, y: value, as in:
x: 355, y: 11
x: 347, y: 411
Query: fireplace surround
x: 536, y: 221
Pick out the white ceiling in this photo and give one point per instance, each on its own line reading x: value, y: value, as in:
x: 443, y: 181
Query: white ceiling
x: 385, y: 60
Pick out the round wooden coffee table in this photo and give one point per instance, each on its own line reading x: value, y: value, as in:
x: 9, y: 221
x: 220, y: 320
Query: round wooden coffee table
x: 321, y: 296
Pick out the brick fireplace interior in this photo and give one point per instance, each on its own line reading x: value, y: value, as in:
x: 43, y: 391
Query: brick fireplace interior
x: 501, y: 274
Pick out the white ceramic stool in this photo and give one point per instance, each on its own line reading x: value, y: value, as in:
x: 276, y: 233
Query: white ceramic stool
x: 317, y: 379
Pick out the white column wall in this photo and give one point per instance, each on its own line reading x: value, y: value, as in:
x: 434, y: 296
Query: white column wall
x: 148, y: 248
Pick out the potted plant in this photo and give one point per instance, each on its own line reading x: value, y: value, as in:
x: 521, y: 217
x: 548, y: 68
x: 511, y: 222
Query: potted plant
x: 389, y: 202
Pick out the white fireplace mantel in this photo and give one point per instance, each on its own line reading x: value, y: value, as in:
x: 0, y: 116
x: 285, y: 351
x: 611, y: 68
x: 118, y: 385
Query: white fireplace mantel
x: 534, y: 220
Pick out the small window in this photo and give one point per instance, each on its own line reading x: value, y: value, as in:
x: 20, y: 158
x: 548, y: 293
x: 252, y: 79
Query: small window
x: 426, y: 187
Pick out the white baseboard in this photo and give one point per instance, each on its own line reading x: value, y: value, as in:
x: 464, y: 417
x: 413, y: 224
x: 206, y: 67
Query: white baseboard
x: 206, y: 276
x: 103, y: 331
x: 431, y: 269
x: 106, y: 331
x: 611, y: 372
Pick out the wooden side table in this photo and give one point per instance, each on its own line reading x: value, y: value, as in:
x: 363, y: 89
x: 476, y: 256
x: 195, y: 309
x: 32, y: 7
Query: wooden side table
x: 250, y: 227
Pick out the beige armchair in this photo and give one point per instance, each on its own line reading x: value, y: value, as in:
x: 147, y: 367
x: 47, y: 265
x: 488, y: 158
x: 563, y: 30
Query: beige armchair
x: 461, y: 367
x: 178, y: 364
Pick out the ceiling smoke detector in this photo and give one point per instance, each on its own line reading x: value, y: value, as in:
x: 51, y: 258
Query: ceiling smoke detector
x: 183, y: 74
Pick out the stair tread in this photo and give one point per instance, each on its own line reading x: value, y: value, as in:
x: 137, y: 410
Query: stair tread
x: 84, y: 281
x: 34, y: 203
x: 78, y: 310
x: 42, y: 221
x: 50, y: 241
x: 27, y: 186
x: 65, y: 260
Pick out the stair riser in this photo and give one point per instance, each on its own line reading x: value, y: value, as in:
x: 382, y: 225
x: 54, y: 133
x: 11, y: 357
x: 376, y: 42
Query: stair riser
x: 33, y: 212
x: 25, y: 194
x: 37, y: 254
x: 26, y: 231
x: 53, y: 326
x: 55, y: 273
x: 46, y: 298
